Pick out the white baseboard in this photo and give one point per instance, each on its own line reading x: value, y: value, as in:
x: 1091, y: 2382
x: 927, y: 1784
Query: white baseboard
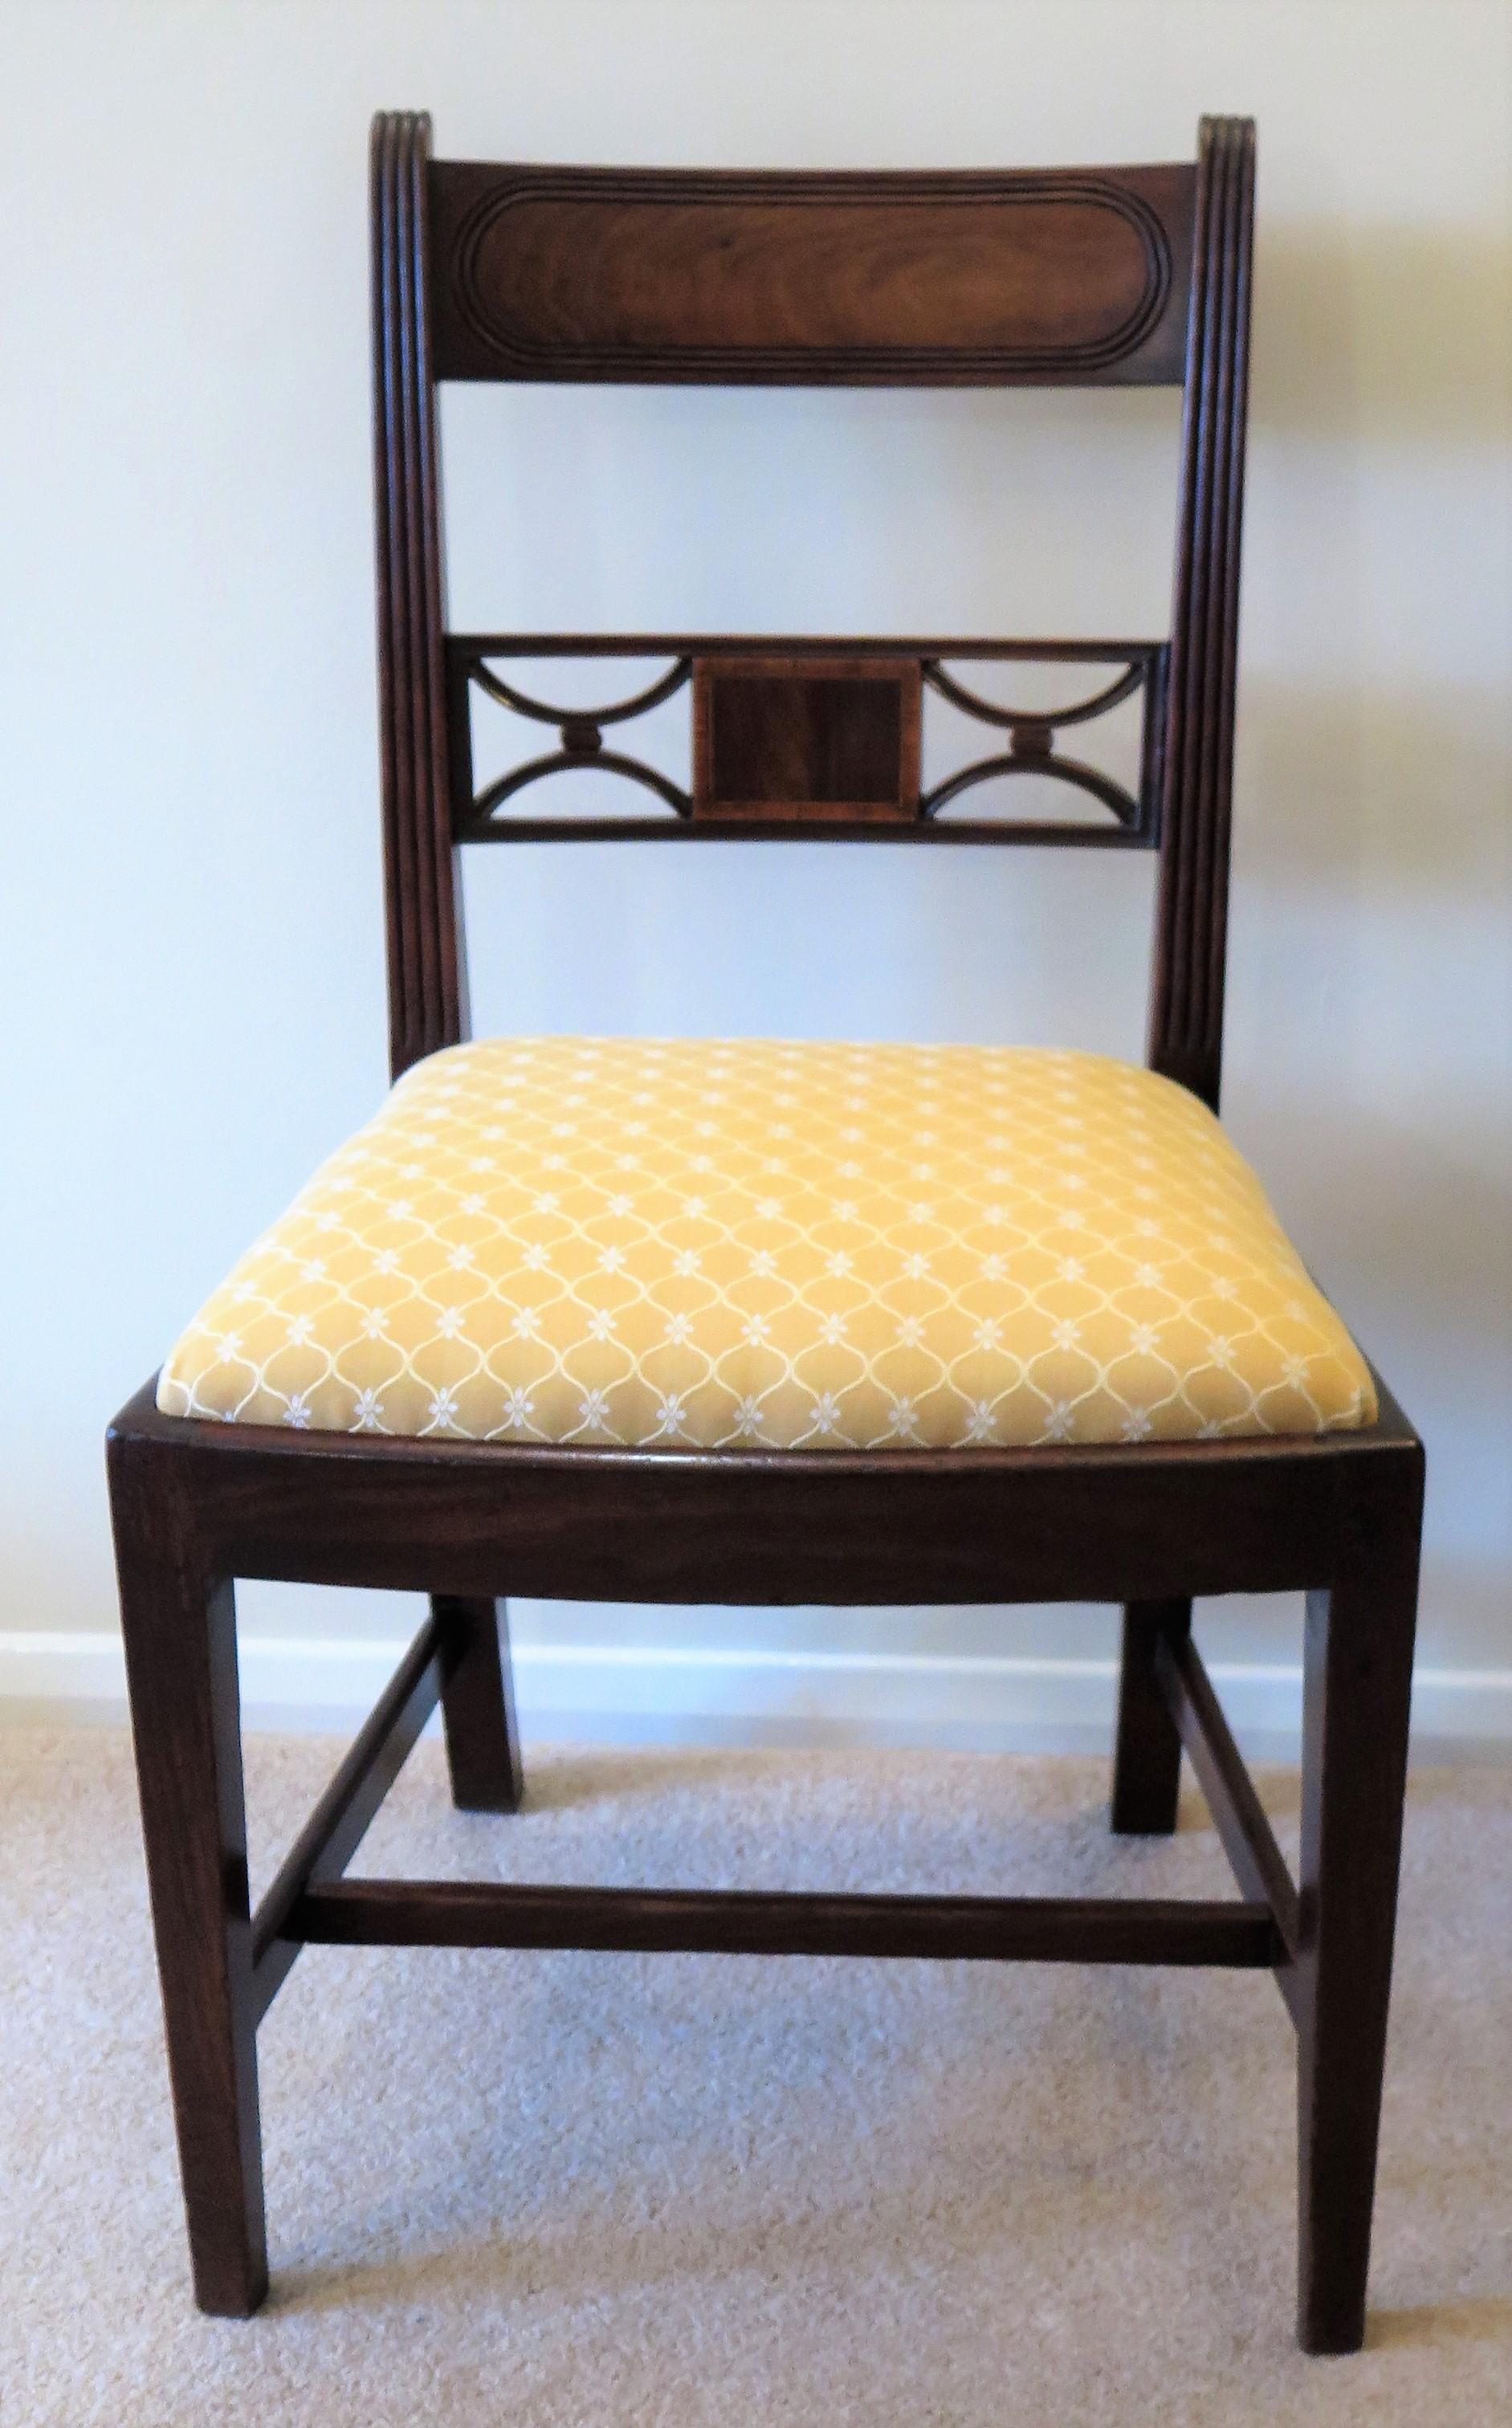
x: 646, y: 1694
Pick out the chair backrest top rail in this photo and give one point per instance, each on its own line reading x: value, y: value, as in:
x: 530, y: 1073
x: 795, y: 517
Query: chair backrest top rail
x: 798, y: 277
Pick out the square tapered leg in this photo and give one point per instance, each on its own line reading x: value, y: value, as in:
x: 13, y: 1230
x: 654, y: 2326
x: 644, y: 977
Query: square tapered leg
x: 1356, y: 1696
x: 181, y: 1669
x: 478, y: 1707
x: 1147, y: 1757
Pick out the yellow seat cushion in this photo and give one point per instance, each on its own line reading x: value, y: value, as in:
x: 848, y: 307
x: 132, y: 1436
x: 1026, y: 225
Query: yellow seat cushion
x: 813, y: 1246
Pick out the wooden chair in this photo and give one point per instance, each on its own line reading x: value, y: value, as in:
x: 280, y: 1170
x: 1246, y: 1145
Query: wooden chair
x: 1124, y: 275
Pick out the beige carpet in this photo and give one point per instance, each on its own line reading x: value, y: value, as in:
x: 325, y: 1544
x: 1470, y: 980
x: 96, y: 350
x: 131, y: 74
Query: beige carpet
x: 542, y: 2189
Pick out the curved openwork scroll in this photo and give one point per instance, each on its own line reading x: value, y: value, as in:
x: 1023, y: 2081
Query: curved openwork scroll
x: 561, y: 762
x: 581, y: 740
x: 582, y: 720
x: 792, y: 675
x: 1031, y: 742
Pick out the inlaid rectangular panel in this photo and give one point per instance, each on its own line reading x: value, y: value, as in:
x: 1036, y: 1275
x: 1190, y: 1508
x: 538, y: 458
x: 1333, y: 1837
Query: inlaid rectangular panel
x: 946, y: 277
x: 806, y: 738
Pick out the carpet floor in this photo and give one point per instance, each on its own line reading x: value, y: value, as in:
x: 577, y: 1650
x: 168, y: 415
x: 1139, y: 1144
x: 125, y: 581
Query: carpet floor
x: 597, y: 2189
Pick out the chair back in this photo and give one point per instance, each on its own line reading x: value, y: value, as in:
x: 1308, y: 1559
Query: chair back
x: 1045, y: 277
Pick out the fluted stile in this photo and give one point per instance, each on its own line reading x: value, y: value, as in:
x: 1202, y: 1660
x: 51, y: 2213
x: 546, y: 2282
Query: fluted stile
x: 425, y: 983
x: 1187, y: 1008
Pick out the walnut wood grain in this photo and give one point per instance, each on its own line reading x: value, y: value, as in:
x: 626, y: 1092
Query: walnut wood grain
x: 807, y: 738
x: 795, y: 277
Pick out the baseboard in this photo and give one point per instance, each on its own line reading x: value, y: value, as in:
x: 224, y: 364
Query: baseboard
x: 648, y: 1693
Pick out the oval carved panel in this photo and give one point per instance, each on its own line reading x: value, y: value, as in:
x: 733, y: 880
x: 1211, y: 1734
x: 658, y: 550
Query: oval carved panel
x: 604, y: 274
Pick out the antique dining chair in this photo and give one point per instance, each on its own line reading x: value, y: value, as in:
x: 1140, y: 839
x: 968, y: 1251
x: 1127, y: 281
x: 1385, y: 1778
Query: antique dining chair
x: 781, y: 1323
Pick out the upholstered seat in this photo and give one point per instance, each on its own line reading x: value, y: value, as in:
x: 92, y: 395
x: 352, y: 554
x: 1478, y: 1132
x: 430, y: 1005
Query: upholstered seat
x: 810, y: 1246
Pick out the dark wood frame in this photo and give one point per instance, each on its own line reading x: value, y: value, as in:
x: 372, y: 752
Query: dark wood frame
x: 472, y: 661
x: 1336, y: 1517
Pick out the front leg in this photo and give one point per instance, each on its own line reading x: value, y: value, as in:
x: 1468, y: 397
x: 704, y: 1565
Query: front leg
x: 1357, y: 1690
x: 181, y: 1672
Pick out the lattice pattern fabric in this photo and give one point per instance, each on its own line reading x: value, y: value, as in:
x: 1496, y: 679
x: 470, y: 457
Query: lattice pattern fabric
x: 812, y: 1246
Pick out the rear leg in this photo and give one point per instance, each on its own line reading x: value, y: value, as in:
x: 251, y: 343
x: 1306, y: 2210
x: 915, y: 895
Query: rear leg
x: 478, y: 1706
x: 1148, y: 1757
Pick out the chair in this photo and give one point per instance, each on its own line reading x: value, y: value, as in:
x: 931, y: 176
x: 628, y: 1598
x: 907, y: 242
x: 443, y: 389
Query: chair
x: 1263, y: 1467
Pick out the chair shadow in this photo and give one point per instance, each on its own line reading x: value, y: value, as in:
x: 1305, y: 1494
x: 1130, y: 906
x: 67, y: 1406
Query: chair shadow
x: 1487, y: 2319
x: 576, y: 1780
x: 570, y: 1777
x: 561, y: 1781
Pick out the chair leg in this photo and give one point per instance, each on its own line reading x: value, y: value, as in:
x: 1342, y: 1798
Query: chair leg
x: 181, y: 1671
x: 478, y: 1707
x: 1147, y: 1755
x: 1358, y: 1685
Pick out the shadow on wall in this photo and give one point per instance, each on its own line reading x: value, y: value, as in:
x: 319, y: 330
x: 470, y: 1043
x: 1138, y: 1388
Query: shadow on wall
x: 1395, y: 332
x: 1370, y: 1032
x: 1415, y: 1239
x: 1402, y: 790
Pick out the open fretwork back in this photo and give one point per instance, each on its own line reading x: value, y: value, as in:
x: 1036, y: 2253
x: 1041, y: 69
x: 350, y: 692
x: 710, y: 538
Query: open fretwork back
x: 1046, y: 277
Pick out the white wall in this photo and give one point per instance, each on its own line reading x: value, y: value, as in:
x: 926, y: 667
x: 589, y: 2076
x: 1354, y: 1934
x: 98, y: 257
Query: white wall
x: 191, y: 862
